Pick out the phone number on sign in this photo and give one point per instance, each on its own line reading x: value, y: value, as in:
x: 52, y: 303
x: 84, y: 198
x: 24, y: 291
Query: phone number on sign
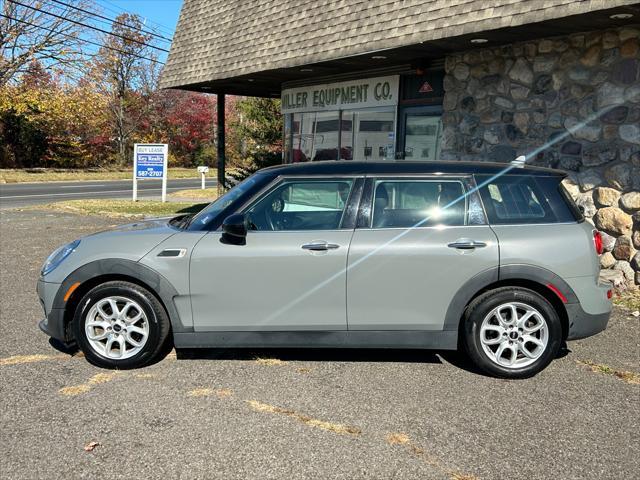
x: 152, y: 173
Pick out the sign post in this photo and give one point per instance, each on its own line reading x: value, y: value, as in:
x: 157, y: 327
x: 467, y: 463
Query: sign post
x: 150, y: 161
x: 203, y: 172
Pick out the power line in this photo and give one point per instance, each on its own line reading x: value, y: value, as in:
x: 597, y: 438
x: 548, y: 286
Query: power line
x: 89, y: 26
x: 168, y: 31
x: 82, y: 39
x: 110, y: 20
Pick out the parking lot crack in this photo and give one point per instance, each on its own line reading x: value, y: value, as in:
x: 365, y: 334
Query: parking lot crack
x: 338, y: 428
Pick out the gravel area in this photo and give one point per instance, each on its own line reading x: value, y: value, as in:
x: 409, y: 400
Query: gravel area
x: 298, y: 413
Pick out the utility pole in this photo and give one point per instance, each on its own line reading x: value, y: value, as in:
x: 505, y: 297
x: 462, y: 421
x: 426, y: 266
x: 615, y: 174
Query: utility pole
x: 220, y: 145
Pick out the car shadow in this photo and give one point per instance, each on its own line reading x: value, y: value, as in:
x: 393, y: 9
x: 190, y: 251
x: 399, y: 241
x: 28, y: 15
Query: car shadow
x: 68, y: 349
x: 312, y: 354
x: 455, y: 357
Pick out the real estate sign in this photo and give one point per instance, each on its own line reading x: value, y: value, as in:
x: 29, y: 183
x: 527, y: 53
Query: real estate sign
x: 150, y: 161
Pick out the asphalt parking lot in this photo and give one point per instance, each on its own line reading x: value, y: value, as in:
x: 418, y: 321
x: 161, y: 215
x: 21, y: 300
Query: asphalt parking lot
x: 299, y: 414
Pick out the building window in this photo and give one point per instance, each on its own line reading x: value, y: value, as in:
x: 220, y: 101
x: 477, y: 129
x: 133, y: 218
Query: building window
x: 422, y: 136
x: 372, y: 136
x: 362, y: 134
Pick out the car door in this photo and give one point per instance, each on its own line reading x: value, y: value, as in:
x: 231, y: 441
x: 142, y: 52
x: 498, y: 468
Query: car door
x: 290, y: 274
x: 419, y: 239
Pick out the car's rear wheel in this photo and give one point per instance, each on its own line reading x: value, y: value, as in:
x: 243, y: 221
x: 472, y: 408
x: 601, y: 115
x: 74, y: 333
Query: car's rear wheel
x: 120, y: 325
x: 512, y: 332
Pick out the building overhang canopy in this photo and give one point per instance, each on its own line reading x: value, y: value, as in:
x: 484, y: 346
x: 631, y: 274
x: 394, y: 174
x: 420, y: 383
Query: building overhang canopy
x: 265, y: 78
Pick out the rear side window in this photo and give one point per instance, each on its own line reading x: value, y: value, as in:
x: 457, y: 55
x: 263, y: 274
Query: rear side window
x: 517, y: 199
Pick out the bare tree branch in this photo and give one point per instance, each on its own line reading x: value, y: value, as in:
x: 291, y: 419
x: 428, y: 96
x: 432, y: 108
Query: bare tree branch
x: 31, y: 34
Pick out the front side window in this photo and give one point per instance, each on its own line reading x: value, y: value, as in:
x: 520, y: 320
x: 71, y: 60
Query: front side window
x: 418, y: 203
x: 301, y: 205
x: 211, y: 211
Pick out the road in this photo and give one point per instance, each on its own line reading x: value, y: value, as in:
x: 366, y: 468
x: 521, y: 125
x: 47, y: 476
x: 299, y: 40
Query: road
x: 350, y: 414
x: 24, y: 194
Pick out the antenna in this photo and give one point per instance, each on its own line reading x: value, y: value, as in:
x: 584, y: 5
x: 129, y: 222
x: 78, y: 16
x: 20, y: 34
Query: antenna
x: 519, y: 162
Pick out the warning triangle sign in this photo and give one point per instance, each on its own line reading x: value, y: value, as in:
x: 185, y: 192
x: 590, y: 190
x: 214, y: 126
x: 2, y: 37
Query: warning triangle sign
x: 425, y: 88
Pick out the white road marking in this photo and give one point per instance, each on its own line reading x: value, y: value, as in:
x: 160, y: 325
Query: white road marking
x: 82, y: 186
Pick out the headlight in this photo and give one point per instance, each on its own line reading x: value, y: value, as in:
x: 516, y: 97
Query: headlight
x: 58, y: 256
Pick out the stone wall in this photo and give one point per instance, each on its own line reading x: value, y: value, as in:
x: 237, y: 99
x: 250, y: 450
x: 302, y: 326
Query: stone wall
x: 512, y: 100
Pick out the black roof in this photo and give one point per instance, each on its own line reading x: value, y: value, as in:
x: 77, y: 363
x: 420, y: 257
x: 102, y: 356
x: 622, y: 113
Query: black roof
x: 359, y: 168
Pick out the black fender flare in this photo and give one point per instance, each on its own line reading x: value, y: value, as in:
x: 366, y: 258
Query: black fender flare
x: 496, y: 274
x: 119, y: 267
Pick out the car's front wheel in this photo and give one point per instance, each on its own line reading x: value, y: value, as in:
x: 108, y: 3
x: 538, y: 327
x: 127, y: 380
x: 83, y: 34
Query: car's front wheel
x: 512, y: 332
x: 120, y: 325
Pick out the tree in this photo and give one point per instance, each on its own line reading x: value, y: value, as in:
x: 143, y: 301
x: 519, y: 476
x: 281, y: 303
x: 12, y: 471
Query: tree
x: 121, y: 71
x: 37, y: 30
x: 184, y: 120
x: 47, y: 122
x: 259, y: 126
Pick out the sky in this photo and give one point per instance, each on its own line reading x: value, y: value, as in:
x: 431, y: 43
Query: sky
x: 159, y: 14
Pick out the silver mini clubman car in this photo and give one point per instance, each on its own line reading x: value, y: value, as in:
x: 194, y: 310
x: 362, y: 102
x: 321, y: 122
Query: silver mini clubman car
x: 494, y: 259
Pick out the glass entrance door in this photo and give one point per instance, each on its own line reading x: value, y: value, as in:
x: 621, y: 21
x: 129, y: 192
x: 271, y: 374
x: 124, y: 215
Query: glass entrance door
x: 419, y: 138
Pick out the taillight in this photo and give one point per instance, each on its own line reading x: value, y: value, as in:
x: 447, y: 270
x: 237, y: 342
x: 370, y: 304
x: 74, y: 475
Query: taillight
x: 597, y: 241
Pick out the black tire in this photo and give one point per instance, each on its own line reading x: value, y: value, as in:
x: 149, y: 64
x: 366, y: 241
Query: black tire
x: 483, y: 305
x: 158, y: 322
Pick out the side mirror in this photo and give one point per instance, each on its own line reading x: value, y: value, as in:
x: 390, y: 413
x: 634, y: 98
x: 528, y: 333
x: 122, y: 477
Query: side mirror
x: 234, y: 230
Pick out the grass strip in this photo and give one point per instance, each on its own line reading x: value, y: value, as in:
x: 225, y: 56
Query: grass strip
x: 123, y: 208
x: 9, y: 175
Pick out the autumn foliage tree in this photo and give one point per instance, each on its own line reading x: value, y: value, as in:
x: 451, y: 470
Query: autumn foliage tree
x: 62, y: 107
x: 119, y: 70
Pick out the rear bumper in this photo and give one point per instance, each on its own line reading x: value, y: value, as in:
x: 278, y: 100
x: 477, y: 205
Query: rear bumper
x: 591, y: 313
x: 582, y: 324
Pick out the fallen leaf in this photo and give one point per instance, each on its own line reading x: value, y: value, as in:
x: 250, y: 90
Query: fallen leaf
x: 90, y: 447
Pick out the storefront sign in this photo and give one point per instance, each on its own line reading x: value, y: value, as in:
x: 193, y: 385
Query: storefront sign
x: 368, y: 92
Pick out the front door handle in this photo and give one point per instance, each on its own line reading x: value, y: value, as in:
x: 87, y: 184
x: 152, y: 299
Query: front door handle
x: 320, y: 246
x: 466, y: 244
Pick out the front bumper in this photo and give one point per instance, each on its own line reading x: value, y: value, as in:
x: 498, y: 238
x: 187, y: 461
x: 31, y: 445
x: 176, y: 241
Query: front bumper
x: 53, y: 323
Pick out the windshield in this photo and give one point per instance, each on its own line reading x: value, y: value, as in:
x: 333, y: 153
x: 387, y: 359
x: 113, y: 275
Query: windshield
x: 213, y: 209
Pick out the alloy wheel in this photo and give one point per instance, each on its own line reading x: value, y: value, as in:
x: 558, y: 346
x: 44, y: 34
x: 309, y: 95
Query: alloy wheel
x: 514, y: 335
x: 117, y: 327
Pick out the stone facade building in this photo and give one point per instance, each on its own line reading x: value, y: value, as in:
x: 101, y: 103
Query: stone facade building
x: 579, y: 94
x: 483, y: 80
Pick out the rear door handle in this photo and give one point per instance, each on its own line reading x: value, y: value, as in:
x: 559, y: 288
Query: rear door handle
x: 466, y: 244
x: 320, y: 246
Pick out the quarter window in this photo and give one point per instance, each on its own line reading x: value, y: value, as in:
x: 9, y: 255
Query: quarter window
x: 519, y: 199
x: 418, y: 203
x: 301, y: 205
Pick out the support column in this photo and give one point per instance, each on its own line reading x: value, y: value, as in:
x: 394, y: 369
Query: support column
x: 220, y: 142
